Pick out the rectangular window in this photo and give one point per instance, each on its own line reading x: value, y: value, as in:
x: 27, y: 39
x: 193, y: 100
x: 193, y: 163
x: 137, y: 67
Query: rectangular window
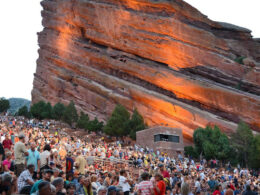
x: 166, y: 138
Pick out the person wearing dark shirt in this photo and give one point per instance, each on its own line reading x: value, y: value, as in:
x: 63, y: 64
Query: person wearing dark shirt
x: 69, y: 164
x: 58, y: 183
x: 5, y: 183
x: 2, y: 153
x: 248, y: 191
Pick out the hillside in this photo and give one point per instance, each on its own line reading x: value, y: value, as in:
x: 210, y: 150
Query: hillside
x: 16, y: 103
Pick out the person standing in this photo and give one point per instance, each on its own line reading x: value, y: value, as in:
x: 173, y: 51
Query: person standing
x: 124, y: 182
x: 145, y: 187
x: 45, y: 157
x: 34, y: 159
x: 159, y: 185
x: 2, y: 153
x: 69, y: 163
x: 7, y: 143
x: 80, y: 163
x: 164, y: 172
x: 19, y: 155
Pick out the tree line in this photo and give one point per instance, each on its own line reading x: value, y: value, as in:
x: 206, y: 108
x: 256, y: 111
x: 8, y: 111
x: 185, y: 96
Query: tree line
x: 121, y: 123
x: 242, y: 147
x: 4, y: 105
x: 61, y: 112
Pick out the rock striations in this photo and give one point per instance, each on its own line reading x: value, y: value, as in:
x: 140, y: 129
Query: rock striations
x: 165, y: 58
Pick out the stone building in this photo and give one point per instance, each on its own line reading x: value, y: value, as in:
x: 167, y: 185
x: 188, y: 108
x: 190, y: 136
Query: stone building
x: 164, y: 139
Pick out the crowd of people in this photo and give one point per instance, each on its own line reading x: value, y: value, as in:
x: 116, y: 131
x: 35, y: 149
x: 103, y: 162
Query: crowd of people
x: 45, y: 160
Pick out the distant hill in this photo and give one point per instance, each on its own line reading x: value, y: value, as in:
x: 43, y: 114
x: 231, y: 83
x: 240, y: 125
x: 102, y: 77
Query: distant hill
x: 16, y: 103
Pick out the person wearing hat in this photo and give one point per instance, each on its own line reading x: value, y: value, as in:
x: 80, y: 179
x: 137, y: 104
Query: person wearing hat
x: 46, y: 176
x: 20, y: 152
x: 112, y: 190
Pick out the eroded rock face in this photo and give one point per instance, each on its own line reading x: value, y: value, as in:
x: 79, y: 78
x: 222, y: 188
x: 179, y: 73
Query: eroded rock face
x: 163, y: 57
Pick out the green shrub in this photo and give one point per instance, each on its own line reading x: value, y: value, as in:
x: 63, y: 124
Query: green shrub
x: 189, y: 151
x: 83, y: 121
x: 240, y: 59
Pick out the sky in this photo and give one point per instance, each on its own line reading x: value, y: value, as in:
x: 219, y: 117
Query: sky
x: 21, y: 20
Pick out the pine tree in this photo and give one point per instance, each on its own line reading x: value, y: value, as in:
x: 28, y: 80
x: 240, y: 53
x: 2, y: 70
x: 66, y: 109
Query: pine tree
x: 242, y: 141
x: 117, y: 123
x: 70, y: 114
x: 83, y: 121
x: 58, y: 110
x: 47, y: 113
x: 135, y: 124
x: 95, y: 125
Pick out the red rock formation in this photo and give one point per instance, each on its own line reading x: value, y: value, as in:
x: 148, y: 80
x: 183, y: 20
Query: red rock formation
x: 163, y: 57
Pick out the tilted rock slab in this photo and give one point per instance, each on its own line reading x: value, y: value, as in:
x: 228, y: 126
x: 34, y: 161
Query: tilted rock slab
x: 165, y: 58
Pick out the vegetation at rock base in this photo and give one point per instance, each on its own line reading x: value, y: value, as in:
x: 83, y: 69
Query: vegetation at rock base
x: 95, y: 125
x: 90, y: 125
x: 23, y: 111
x: 240, y: 59
x: 120, y: 123
x: 190, y: 152
x: 37, y: 110
x: 117, y: 123
x: 70, y: 114
x: 83, y: 121
x: 58, y: 110
x: 245, y: 144
x: 4, y: 105
x: 242, y: 147
x: 135, y: 124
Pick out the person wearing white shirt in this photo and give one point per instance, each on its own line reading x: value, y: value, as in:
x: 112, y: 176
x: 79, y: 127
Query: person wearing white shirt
x: 197, y: 185
x: 123, y: 182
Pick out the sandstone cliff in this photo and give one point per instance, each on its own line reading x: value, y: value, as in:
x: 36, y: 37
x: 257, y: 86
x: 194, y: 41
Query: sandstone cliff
x: 163, y: 57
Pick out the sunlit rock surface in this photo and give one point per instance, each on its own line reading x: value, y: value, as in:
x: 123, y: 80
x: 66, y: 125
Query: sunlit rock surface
x: 163, y: 57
